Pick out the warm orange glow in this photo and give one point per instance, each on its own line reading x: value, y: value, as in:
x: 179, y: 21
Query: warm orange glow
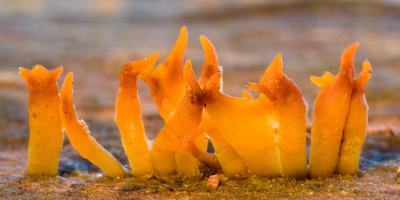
x: 287, y: 118
x: 262, y: 136
x: 46, y: 135
x: 128, y: 116
x: 355, y: 126
x: 166, y: 81
x: 186, y: 117
x: 80, y: 138
x: 330, y: 111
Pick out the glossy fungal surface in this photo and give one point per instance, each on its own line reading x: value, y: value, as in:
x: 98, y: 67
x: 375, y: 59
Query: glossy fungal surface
x: 186, y: 117
x: 262, y: 136
x: 128, y: 116
x: 166, y: 81
x: 46, y: 135
x: 329, y: 116
x: 80, y: 138
x: 287, y: 116
x: 241, y: 122
x: 354, y: 131
x: 231, y: 162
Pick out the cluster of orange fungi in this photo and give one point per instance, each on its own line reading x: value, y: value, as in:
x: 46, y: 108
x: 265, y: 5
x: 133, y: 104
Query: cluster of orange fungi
x: 262, y: 137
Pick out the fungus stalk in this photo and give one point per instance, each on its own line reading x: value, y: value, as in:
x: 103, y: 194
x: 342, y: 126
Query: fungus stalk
x: 128, y: 116
x: 45, y: 127
x: 355, y: 127
x: 186, y: 117
x: 330, y: 111
x: 80, y: 138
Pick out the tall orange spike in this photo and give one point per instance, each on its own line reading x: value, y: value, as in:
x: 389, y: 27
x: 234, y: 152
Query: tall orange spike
x: 80, y: 138
x: 330, y: 111
x: 210, y: 66
x: 347, y: 61
x: 186, y: 117
x: 46, y: 135
x: 166, y: 82
x: 354, y: 131
x: 128, y: 116
x: 288, y: 117
x: 208, y: 159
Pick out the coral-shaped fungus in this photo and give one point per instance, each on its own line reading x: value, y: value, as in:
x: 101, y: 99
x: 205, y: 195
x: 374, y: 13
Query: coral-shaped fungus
x: 262, y: 137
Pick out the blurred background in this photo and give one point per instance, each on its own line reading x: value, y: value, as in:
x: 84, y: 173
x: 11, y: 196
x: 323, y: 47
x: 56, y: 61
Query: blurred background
x: 94, y: 39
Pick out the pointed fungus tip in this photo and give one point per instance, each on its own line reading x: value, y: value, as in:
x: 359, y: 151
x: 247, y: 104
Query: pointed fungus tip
x: 68, y: 80
x: 367, y: 66
x: 276, y: 64
x: 205, y: 41
x: 183, y: 35
x: 209, y: 50
x: 187, y: 70
x: 25, y: 73
x: 58, y: 71
x: 351, y: 49
x: 180, y: 46
x: 183, y: 29
x: 274, y: 69
x: 315, y: 80
x: 191, y: 82
x: 256, y: 87
x: 214, y: 83
x: 66, y: 89
x: 347, y: 60
x: 365, y: 74
x: 152, y: 59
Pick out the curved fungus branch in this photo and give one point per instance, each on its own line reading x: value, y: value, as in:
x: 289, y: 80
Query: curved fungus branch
x: 242, y: 124
x: 80, y: 138
x: 231, y: 162
x: 354, y: 132
x: 330, y: 111
x: 210, y: 66
x: 208, y: 159
x: 288, y: 118
x: 166, y: 82
x: 46, y: 135
x: 187, y: 116
x: 167, y: 87
x: 128, y: 116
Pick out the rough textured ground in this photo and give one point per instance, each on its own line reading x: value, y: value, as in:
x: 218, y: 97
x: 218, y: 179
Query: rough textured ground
x: 94, y: 39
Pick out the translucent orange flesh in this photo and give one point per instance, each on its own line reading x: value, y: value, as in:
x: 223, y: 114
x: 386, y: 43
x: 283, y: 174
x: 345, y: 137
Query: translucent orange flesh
x: 330, y: 111
x: 166, y: 82
x: 186, y: 117
x: 208, y: 159
x: 232, y: 163
x: 46, y: 135
x: 80, y: 138
x: 287, y: 116
x: 167, y: 87
x: 355, y: 126
x: 128, y: 117
x: 242, y: 124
